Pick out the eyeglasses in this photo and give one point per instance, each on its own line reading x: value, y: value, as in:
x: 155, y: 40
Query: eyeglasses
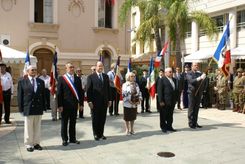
x: 33, y: 69
x: 71, y: 67
x: 79, y: 70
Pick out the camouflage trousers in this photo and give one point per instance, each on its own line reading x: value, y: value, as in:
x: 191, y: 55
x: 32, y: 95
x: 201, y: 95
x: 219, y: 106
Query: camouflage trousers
x: 238, y: 99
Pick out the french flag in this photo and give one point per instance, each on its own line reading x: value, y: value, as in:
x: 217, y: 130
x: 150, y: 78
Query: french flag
x: 129, y: 66
x: 53, y: 75
x: 160, y: 55
x: 151, y: 79
x: 27, y: 62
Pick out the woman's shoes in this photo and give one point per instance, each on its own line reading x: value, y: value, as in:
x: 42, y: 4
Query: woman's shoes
x: 132, y: 132
x: 128, y: 133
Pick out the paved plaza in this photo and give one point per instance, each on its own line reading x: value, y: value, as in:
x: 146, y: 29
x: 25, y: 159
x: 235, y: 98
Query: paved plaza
x: 220, y: 141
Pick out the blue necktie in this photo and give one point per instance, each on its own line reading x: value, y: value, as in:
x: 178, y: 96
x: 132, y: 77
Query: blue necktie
x: 101, y: 79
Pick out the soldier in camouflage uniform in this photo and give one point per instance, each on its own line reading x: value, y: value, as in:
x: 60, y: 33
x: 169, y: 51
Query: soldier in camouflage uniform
x: 238, y: 91
x: 221, y: 88
x: 211, y: 77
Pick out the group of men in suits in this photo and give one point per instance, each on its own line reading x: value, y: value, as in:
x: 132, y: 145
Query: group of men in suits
x: 70, y: 97
x: 169, y: 89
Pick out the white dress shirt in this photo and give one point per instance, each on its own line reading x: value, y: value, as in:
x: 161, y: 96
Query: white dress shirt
x: 7, y: 82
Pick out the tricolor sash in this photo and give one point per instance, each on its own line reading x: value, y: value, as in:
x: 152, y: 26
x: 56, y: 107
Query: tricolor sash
x: 71, y: 85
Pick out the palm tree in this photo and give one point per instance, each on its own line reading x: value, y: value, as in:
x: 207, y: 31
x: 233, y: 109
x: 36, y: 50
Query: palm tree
x: 175, y: 19
x: 151, y: 18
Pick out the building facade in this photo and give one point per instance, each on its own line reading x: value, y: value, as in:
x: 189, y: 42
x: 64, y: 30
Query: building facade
x: 221, y: 12
x: 196, y: 40
x: 78, y: 30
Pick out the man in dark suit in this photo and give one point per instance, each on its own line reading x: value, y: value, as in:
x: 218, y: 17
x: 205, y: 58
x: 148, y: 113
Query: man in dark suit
x: 161, y: 74
x: 179, y: 86
x: 99, y: 98
x: 167, y: 92
x: 31, y: 102
x: 145, y: 93
x: 195, y: 91
x: 70, y: 95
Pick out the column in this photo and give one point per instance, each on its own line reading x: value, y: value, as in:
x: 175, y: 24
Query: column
x: 194, y: 36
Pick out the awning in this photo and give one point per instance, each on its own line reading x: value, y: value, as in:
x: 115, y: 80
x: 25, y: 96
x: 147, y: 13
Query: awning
x: 199, y: 56
x: 11, y: 55
x: 204, y: 55
x: 238, y: 53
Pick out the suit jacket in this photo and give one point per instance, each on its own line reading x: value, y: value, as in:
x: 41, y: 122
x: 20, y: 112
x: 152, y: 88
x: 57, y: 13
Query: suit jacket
x: 66, y: 98
x: 99, y: 93
x: 166, y: 93
x: 193, y: 84
x: 30, y: 102
x: 143, y: 89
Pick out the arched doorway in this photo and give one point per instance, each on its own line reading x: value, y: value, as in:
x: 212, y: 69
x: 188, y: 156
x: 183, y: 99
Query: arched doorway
x: 106, y: 59
x: 44, y: 59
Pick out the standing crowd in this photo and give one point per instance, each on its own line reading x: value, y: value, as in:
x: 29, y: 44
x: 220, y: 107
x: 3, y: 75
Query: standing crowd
x: 188, y: 89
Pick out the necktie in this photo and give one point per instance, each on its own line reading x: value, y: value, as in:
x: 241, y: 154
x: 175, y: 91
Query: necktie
x: 100, y: 76
x: 33, y: 84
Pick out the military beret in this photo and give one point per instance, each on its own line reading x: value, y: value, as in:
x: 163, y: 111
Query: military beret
x: 239, y: 70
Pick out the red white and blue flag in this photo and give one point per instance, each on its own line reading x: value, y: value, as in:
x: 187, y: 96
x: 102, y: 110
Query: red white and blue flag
x: 222, y: 54
x: 27, y: 62
x: 151, y: 79
x: 160, y: 55
x: 129, y: 66
x: 117, y: 79
x: 53, y: 74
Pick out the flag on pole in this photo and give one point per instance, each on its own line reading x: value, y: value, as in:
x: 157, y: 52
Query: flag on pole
x: 27, y: 62
x: 1, y: 88
x: 101, y: 57
x: 160, y: 55
x: 117, y: 79
x: 222, y: 54
x: 111, y: 2
x: 53, y: 74
x: 129, y: 66
x: 1, y: 57
x: 151, y: 79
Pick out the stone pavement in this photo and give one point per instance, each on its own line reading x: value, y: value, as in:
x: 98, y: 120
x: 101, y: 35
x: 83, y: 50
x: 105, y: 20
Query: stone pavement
x: 221, y: 140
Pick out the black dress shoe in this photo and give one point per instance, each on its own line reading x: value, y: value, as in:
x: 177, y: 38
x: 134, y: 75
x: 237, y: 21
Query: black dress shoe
x: 172, y: 129
x: 8, y: 122
x: 148, y: 111
x: 30, y: 149
x: 38, y: 147
x: 164, y: 130
x: 64, y: 143
x: 75, y: 142
x: 103, y: 137
x: 96, y: 138
x: 199, y: 126
x: 192, y: 127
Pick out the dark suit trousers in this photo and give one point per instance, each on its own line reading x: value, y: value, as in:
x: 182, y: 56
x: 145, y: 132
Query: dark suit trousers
x: 98, y: 120
x: 68, y: 115
x: 166, y: 116
x: 6, y: 102
x: 47, y: 96
x: 145, y: 102
x: 115, y: 103
x: 194, y: 104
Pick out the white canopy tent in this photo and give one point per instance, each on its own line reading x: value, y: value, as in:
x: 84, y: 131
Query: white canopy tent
x: 238, y: 53
x: 11, y: 55
x: 204, y: 55
x: 199, y: 56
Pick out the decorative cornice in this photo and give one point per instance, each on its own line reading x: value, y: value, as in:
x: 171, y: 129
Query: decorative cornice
x: 102, y: 29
